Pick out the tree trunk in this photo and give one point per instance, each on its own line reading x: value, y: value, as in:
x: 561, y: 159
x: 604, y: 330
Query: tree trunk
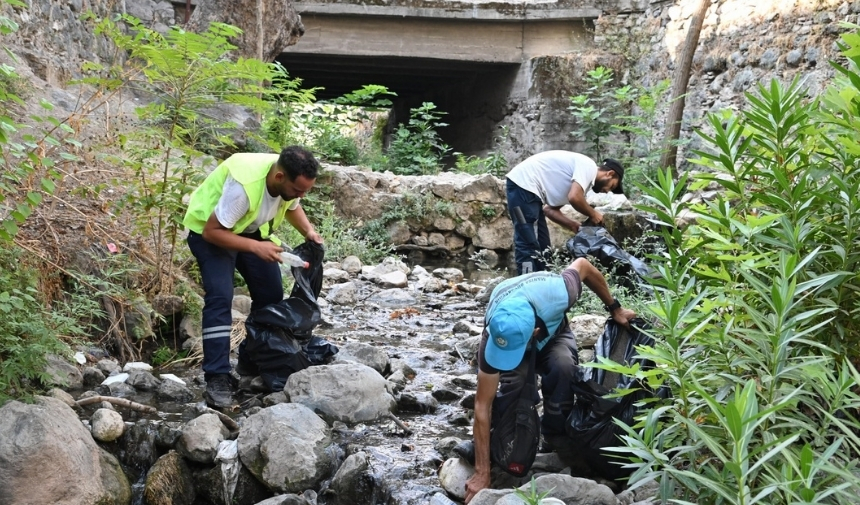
x: 268, y: 26
x: 679, y: 88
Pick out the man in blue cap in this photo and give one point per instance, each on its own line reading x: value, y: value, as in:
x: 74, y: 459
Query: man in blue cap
x: 528, y: 314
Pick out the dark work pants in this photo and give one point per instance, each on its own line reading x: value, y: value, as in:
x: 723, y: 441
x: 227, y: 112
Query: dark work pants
x: 216, y: 269
x: 558, y: 364
x: 532, y: 237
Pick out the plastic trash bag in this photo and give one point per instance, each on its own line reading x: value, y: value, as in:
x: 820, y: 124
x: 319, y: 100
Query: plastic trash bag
x: 279, y: 337
x: 596, y: 241
x: 228, y: 456
x: 590, y: 425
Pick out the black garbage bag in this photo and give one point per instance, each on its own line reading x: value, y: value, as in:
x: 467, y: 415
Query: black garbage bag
x: 279, y: 337
x: 597, y: 242
x: 591, y: 424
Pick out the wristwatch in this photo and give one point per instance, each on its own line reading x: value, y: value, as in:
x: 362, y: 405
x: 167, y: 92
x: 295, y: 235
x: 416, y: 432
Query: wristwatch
x: 612, y: 306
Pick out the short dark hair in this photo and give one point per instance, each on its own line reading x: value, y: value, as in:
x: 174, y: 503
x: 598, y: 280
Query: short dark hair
x: 615, y: 166
x: 296, y: 161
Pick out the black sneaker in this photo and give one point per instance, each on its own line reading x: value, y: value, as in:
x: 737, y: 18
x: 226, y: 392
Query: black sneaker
x: 466, y: 450
x: 219, y: 391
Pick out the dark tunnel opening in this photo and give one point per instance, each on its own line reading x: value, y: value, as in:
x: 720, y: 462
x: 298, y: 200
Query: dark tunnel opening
x: 474, y: 95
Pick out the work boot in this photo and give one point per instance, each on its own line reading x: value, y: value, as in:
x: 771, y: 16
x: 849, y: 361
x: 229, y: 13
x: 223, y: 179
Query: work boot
x: 219, y: 391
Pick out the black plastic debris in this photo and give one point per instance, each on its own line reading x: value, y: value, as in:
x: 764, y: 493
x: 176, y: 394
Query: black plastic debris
x: 279, y: 337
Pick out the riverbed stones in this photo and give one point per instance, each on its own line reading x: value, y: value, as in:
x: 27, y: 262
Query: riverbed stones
x: 352, y: 484
x: 587, y: 328
x: 342, y: 294
x: 286, y: 447
x: 62, y: 462
x: 453, y: 476
x: 348, y: 392
x: 200, y: 438
x: 62, y: 373
x: 366, y: 354
x: 107, y: 425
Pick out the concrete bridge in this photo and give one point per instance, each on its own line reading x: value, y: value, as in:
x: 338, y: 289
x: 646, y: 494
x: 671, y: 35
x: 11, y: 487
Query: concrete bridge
x: 465, y: 56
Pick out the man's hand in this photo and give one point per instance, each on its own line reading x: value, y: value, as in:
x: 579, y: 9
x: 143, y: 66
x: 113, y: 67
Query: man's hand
x: 597, y: 218
x: 267, y: 251
x: 623, y: 316
x: 313, y: 236
x: 574, y: 226
x: 478, y: 482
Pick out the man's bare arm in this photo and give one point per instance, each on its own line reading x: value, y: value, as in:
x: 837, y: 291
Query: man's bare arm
x: 487, y: 386
x: 576, y: 197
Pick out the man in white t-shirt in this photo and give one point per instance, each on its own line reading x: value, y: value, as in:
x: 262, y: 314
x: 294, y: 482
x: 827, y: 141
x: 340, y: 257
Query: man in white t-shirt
x: 230, y: 220
x: 541, y: 185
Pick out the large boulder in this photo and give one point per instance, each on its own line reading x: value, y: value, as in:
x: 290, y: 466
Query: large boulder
x: 48, y: 456
x: 347, y: 392
x: 287, y: 447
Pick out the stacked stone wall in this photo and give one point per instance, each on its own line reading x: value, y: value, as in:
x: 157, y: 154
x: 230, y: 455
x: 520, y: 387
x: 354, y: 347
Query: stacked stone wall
x: 743, y: 43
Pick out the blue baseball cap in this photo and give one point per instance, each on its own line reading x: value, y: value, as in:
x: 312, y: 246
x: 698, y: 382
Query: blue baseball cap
x: 510, y: 329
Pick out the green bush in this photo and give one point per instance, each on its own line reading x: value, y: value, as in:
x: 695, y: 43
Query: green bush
x: 619, y: 122
x: 756, y: 308
x: 29, y: 330
x: 416, y: 148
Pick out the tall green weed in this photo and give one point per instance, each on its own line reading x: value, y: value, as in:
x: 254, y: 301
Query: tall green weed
x: 185, y: 76
x: 756, y: 304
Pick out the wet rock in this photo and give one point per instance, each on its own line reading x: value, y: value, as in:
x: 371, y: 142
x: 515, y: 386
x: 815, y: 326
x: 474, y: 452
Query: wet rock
x: 109, y: 367
x: 570, y: 490
x: 348, y: 392
x: 353, y: 484
x: 142, y: 380
x: 116, y: 389
x: 92, y: 376
x: 366, y: 354
x: 62, y: 463
x: 445, y: 446
x: 483, y: 296
x: 468, y: 401
x: 286, y: 447
x: 393, y: 298
x: 466, y: 327
x: 62, y: 373
x: 449, y: 274
x: 335, y: 275
x: 459, y: 419
x: 445, y: 395
x: 172, y: 391
x: 107, y: 425
x: 432, y: 285
x: 275, y: 399
x: 468, y: 381
x: 351, y: 264
x: 342, y: 294
x: 169, y: 482
x: 167, y: 434
x: 392, y: 280
x: 453, y: 476
x: 200, y: 438
x: 423, y: 403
